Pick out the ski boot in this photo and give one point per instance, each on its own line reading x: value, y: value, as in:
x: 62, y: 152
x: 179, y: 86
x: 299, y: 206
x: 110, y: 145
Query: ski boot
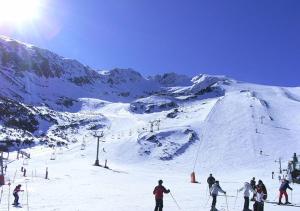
x: 213, y: 209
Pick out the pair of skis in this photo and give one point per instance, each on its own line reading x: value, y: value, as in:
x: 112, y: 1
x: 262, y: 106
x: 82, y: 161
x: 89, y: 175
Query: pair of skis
x: 276, y: 203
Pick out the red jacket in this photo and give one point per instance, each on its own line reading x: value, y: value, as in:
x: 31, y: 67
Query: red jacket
x: 16, y: 190
x: 159, y: 191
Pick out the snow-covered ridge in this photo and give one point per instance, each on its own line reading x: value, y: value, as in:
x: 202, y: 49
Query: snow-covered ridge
x: 27, y: 70
x: 36, y: 78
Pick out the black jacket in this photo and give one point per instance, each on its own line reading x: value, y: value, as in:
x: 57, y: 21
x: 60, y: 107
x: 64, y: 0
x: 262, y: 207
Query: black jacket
x: 211, y: 180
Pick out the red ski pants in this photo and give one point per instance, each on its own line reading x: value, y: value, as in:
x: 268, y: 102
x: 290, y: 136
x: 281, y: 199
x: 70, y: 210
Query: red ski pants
x: 283, y: 192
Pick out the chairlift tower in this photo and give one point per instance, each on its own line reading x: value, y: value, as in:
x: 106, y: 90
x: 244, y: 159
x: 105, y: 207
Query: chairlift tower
x: 156, y: 123
x: 2, y: 172
x: 279, y: 161
x: 98, y: 136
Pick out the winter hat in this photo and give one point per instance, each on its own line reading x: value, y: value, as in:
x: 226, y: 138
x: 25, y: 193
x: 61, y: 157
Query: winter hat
x: 160, y: 181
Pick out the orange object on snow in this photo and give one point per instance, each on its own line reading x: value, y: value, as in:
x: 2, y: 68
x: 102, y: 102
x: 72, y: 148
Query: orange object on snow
x: 2, y: 181
x: 193, y: 177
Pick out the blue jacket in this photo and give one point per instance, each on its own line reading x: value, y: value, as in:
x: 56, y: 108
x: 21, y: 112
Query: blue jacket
x: 285, y: 185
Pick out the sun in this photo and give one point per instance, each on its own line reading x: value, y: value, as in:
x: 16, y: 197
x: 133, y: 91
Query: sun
x: 19, y: 11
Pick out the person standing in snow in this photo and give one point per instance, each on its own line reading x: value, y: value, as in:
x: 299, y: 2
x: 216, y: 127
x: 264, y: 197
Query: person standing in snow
x: 16, y: 195
x: 247, y: 188
x: 295, y: 161
x: 282, y: 191
x: 159, y: 194
x: 210, y: 180
x: 261, y: 185
x: 215, y: 189
x: 295, y: 158
x: 259, y: 200
x: 253, y: 184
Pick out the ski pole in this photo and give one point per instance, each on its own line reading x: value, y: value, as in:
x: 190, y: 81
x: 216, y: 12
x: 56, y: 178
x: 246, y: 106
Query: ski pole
x: 208, y: 197
x: 175, y: 201
x: 1, y: 194
x: 15, y: 175
x: 27, y: 197
x: 8, y: 205
x: 292, y: 196
x: 226, y: 202
x: 237, y: 193
x: 22, y: 197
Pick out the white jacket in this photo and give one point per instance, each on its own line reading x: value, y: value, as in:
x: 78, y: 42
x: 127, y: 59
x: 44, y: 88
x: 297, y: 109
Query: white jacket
x: 259, y: 197
x: 247, y: 188
x: 215, y: 189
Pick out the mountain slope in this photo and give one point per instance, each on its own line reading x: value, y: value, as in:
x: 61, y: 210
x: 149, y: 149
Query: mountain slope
x: 165, y: 117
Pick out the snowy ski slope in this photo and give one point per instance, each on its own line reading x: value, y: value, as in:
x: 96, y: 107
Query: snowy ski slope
x: 233, y: 129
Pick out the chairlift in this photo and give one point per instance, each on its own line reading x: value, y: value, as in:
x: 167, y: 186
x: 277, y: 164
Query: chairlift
x: 5, y: 155
x: 53, y: 156
x: 82, y: 146
x: 25, y: 161
x: 60, y: 150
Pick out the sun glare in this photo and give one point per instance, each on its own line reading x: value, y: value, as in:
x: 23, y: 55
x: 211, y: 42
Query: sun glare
x: 19, y: 11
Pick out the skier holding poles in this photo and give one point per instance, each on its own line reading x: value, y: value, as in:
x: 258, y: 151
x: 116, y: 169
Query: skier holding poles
x: 282, y: 191
x: 259, y: 200
x: 159, y: 194
x: 215, y: 189
x: 16, y: 195
x: 246, y: 188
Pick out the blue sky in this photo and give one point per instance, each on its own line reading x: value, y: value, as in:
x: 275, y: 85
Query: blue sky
x: 249, y: 40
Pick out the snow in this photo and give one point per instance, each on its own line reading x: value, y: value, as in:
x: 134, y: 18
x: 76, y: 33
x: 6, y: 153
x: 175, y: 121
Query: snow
x: 229, y: 148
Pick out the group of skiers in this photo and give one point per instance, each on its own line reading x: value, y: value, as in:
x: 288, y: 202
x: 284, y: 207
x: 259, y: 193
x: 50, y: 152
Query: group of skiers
x: 260, y: 194
x: 258, y: 189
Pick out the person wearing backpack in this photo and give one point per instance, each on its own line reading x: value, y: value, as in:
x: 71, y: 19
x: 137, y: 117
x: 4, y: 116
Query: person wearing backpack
x: 261, y: 185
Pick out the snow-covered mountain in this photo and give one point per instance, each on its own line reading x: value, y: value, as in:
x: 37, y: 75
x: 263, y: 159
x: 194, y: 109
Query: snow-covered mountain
x: 158, y: 127
x: 47, y: 98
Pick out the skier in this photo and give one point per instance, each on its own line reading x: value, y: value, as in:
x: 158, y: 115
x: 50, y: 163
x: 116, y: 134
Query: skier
x: 261, y: 185
x: 295, y: 158
x: 210, y: 180
x: 282, y: 191
x: 259, y: 200
x: 253, y: 184
x: 159, y: 194
x: 215, y: 189
x: 16, y: 195
x: 247, y: 188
